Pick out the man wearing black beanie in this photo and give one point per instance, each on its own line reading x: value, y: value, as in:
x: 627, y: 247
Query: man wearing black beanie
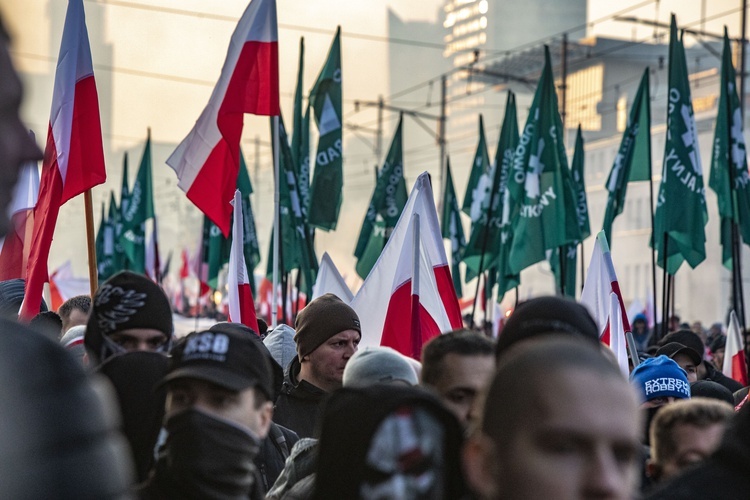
x: 129, y: 313
x: 328, y: 333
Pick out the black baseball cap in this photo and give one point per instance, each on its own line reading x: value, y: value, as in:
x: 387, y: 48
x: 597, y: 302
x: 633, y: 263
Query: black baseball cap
x: 229, y: 359
x: 672, y: 349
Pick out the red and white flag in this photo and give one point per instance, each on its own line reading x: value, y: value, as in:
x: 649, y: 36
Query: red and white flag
x: 601, y: 281
x: 74, y: 155
x: 241, y: 305
x: 617, y: 342
x: 735, y: 365
x: 17, y: 243
x: 207, y: 161
x: 384, y: 302
x: 329, y: 280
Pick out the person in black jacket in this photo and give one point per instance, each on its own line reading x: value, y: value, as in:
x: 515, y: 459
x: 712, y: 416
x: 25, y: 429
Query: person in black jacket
x: 328, y: 333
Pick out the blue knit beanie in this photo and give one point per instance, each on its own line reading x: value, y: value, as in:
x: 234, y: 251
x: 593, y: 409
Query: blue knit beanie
x: 660, y: 377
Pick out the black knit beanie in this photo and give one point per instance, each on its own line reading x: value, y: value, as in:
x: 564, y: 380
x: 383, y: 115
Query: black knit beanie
x: 126, y: 300
x: 320, y: 320
x: 547, y: 315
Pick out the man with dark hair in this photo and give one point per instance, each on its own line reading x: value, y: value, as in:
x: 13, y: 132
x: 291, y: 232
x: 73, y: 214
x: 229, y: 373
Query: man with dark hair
x: 548, y: 316
x: 705, y: 370
x: 218, y: 409
x: 458, y: 365
x: 74, y: 312
x: 686, y: 433
x: 685, y: 357
x: 559, y: 421
x: 328, y: 333
x: 130, y: 313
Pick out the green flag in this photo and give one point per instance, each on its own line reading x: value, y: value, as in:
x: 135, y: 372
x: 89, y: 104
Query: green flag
x: 476, y: 198
x: 508, y: 208
x: 328, y: 177
x: 681, y: 205
x: 485, y: 237
x: 121, y: 259
x: 546, y: 218
x: 139, y: 209
x: 452, y: 228
x: 373, y: 249
x: 729, y: 176
x: 387, y: 201
x: 296, y: 246
x: 250, y: 245
x: 105, y: 251
x: 633, y: 159
x: 570, y: 259
x: 215, y: 251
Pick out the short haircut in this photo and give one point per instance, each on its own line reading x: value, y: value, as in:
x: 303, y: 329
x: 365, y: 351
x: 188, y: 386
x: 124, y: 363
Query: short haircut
x: 525, y: 367
x: 80, y: 302
x: 463, y: 342
x: 700, y: 412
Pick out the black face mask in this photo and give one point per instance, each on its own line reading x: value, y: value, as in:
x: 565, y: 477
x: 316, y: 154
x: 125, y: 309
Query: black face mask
x: 205, y: 457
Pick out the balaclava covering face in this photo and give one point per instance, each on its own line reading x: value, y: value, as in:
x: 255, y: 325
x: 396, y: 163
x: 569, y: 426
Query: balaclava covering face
x: 206, y: 457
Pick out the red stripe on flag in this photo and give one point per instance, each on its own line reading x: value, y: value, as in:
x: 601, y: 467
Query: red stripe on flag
x: 247, y: 307
x: 739, y: 368
x: 254, y: 86
x: 14, y: 254
x: 448, y: 295
x: 415, y: 328
x: 215, y: 183
x: 45, y: 219
x: 85, y: 153
x: 399, y: 315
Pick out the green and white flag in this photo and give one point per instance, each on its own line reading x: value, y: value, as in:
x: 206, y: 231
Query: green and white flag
x: 301, y: 135
x: 633, y: 159
x: 545, y: 220
x: 477, y: 196
x: 582, y: 216
x: 328, y: 177
x: 296, y: 246
x: 681, y: 206
x: 387, y: 201
x: 139, y: 209
x: 451, y: 227
x: 105, y: 248
x: 215, y: 251
x: 250, y: 245
x: 508, y: 208
x: 121, y: 259
x: 729, y: 176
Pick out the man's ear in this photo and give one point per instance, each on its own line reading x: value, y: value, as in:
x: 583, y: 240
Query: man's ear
x: 478, y: 465
x: 653, y: 470
x: 265, y: 415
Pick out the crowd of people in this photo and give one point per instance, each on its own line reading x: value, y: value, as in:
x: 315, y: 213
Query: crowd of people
x: 100, y: 400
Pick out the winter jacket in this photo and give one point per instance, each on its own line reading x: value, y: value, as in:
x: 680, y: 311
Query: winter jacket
x: 297, y: 480
x: 298, y: 404
x: 274, y: 450
x: 715, y: 375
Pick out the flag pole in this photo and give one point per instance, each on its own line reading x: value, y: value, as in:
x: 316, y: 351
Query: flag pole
x: 276, y: 224
x: 415, y: 325
x: 560, y: 251
x: 664, y: 292
x: 90, y: 242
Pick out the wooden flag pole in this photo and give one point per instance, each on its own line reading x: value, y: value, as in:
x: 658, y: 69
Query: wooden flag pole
x: 91, y: 242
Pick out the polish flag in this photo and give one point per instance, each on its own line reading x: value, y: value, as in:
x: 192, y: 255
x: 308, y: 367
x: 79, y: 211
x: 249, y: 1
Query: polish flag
x: 735, y: 365
x: 241, y: 306
x: 601, y: 281
x: 153, y: 260
x: 385, y: 301
x: 207, y: 161
x: 74, y: 155
x: 17, y: 244
x: 618, y: 344
x: 329, y: 280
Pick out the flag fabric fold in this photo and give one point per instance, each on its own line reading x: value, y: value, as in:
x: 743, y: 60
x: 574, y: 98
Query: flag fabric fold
x: 601, y: 282
x: 681, y: 214
x: 452, y: 228
x: 208, y: 159
x: 241, y: 305
x: 437, y: 295
x: 328, y: 176
x: 74, y: 154
x: 735, y: 364
x: 16, y: 246
x: 545, y: 220
x: 729, y: 177
x: 329, y: 280
x: 633, y: 159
